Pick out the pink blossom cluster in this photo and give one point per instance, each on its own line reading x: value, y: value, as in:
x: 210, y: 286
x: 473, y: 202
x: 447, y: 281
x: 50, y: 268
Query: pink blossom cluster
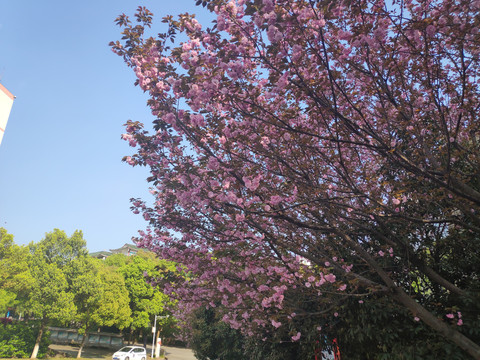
x: 293, y: 141
x: 457, y: 315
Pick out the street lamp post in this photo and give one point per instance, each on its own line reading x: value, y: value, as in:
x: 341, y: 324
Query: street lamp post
x: 153, y: 334
x: 154, y: 331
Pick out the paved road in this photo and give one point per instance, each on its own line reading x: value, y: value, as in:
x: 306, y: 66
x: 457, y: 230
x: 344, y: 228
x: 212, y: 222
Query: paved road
x: 171, y: 353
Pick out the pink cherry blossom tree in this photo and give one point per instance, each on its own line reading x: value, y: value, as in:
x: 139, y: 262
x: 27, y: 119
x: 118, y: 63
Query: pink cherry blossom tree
x: 326, y: 146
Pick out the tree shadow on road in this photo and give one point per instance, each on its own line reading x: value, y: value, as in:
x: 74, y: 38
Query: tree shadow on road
x: 71, y: 351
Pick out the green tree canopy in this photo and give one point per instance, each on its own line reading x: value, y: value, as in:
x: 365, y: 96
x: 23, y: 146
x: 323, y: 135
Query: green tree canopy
x: 59, y: 248
x: 50, y: 297
x: 15, y: 277
x: 145, y: 300
x: 100, y: 296
x: 113, y: 309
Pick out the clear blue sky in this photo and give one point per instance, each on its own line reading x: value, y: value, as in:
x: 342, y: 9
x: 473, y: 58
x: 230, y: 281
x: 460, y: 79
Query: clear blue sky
x: 60, y: 158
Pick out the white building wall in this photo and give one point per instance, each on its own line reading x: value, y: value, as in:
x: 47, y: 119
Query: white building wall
x: 6, y: 102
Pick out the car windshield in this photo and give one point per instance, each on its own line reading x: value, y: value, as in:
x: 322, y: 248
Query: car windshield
x: 125, y: 349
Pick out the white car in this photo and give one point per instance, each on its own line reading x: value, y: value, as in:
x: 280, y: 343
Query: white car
x: 130, y: 353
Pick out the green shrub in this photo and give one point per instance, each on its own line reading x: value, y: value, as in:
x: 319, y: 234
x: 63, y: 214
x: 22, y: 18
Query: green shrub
x: 18, y: 339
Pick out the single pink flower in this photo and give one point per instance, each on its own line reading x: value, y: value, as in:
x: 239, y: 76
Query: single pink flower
x: 276, y: 324
x: 330, y: 278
